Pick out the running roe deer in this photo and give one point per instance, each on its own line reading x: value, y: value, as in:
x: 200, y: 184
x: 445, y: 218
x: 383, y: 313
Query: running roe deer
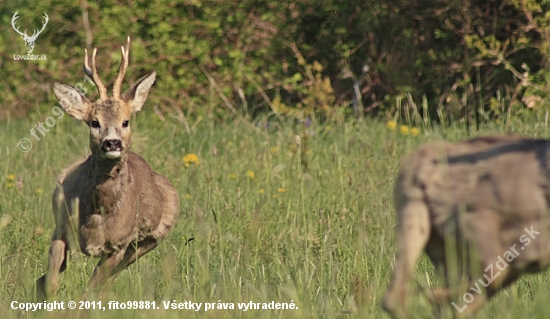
x: 110, y: 204
x: 480, y: 209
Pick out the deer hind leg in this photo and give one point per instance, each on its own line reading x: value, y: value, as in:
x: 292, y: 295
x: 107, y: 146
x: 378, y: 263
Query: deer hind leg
x: 105, y: 270
x: 483, y: 233
x: 412, y: 236
x: 109, y: 266
x: 143, y: 247
x: 47, y: 285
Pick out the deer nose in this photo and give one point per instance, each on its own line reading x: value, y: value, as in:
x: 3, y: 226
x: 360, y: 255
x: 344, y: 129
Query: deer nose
x: 112, y: 145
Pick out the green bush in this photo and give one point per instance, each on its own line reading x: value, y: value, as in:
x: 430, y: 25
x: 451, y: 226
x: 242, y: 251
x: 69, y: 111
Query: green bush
x: 301, y: 58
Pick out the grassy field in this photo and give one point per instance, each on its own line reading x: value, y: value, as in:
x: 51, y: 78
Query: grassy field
x: 270, y: 211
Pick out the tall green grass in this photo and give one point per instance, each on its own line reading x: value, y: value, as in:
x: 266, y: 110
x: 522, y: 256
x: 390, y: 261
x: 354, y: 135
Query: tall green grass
x: 272, y: 211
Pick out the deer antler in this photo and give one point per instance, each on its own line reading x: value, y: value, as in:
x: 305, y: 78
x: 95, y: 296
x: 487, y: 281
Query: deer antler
x: 35, y: 34
x: 24, y: 34
x: 122, y: 70
x: 93, y: 74
x: 29, y: 41
x: 15, y: 17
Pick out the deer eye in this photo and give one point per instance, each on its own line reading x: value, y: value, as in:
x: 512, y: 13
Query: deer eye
x: 125, y: 124
x: 95, y: 124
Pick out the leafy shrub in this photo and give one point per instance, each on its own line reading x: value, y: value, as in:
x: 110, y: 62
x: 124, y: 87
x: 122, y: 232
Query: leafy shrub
x: 221, y: 58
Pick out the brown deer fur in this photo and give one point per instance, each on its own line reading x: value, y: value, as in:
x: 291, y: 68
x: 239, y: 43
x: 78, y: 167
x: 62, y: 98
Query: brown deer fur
x: 110, y: 204
x: 469, y: 205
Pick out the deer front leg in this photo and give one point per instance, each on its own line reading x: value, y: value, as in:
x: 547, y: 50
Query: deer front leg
x: 47, y: 285
x: 412, y: 237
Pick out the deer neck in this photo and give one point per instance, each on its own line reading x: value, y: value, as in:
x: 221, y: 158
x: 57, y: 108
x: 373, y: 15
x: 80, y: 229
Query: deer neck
x: 109, y: 168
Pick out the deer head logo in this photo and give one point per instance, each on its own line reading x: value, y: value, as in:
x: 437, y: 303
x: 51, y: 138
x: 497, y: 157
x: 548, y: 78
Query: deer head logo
x: 29, y: 40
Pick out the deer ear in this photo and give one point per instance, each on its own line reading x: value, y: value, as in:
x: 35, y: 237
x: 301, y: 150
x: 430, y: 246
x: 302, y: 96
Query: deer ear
x: 71, y: 101
x: 136, y: 95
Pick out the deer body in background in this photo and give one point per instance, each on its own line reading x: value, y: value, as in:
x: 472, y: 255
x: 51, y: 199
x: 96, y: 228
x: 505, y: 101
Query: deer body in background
x: 110, y: 204
x: 480, y: 209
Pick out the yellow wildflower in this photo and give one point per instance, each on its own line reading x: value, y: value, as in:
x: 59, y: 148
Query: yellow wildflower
x: 187, y: 196
x: 250, y: 174
x: 404, y: 130
x: 415, y: 131
x: 391, y: 125
x: 281, y: 190
x: 232, y: 176
x: 261, y: 191
x: 191, y: 159
x: 10, y: 177
x: 38, y: 231
x: 9, y: 185
x: 39, y: 191
x: 274, y: 150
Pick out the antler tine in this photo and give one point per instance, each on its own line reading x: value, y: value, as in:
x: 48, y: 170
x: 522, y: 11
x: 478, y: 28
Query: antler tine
x: 122, y: 70
x: 92, y: 72
x: 13, y: 23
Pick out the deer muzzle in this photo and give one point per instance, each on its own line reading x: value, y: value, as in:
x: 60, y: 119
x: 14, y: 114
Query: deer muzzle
x: 112, y: 148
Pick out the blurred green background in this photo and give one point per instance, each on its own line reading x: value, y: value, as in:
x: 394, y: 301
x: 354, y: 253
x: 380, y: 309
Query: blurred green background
x: 330, y: 58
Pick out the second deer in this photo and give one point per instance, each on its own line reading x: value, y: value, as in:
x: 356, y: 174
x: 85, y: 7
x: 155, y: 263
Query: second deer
x: 480, y: 211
